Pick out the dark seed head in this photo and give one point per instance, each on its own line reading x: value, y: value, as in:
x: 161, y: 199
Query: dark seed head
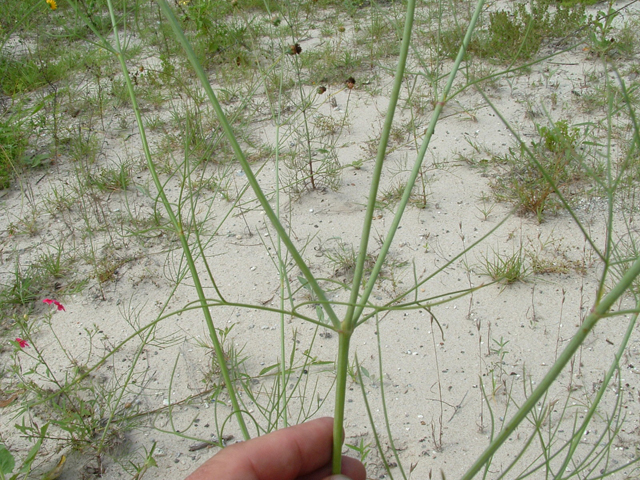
x: 321, y: 90
x: 295, y: 49
x: 351, y: 82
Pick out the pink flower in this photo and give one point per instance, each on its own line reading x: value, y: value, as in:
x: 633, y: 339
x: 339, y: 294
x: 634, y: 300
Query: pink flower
x: 48, y: 301
x: 21, y: 342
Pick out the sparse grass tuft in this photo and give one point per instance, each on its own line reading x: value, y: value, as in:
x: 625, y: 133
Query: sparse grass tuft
x: 507, y: 268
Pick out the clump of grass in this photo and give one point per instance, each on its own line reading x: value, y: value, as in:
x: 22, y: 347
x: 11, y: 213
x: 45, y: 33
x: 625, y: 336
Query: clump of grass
x: 110, y: 179
x: 14, y: 139
x: 518, y: 33
x: 22, y: 289
x: 343, y: 259
x: 507, y: 268
x: 391, y: 195
x: 107, y: 267
x: 51, y: 273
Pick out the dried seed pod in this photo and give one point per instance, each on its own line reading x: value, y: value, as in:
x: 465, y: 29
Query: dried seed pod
x: 295, y: 49
x: 351, y: 82
x: 321, y: 90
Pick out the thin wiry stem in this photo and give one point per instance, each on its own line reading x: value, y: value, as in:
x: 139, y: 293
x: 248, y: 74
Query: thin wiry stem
x: 180, y: 233
x: 246, y: 168
x: 598, y: 311
x: 413, y: 175
x: 348, y: 325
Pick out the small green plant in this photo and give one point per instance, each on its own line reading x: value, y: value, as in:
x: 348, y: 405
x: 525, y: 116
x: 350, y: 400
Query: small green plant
x: 519, y: 33
x: 84, y: 147
x: 14, y: 140
x: 88, y: 412
x: 362, y: 449
x: 534, y: 173
x: 233, y: 357
x: 110, y: 179
x: 23, y: 289
x: 499, y: 348
x: 8, y: 462
x: 507, y: 268
x: 601, y: 38
x: 486, y: 208
x: 328, y: 125
x: 391, y: 195
x: 559, y: 139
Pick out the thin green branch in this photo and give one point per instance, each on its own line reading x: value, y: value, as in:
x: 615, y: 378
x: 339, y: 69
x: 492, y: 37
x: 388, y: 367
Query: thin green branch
x: 260, y: 196
x: 590, y: 321
x: 179, y: 231
x: 415, y: 170
x: 350, y: 318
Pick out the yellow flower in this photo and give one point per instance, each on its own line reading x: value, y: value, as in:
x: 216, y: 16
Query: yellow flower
x: 52, y: 4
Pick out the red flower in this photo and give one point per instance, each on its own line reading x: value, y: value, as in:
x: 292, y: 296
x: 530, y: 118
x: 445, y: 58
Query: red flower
x: 48, y: 301
x: 21, y: 342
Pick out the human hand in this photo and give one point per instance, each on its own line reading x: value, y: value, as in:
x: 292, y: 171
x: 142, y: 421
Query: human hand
x: 302, y: 452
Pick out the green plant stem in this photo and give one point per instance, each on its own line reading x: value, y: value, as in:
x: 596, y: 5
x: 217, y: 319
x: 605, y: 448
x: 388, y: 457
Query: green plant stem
x: 282, y: 270
x: 350, y: 319
x: 355, y: 308
x: 383, y: 400
x: 614, y: 367
x: 370, y: 415
x: 180, y: 232
x: 246, y: 168
x: 415, y: 170
x: 341, y: 393
x: 597, y: 312
x: 348, y: 325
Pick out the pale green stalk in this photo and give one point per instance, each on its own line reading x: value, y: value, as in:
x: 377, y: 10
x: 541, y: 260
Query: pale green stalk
x: 416, y: 167
x: 383, y: 399
x: 262, y: 199
x: 180, y: 232
x: 347, y: 325
x: 370, y: 415
x: 612, y: 187
x: 613, y: 368
x: 283, y: 273
x: 597, y: 312
x: 356, y: 305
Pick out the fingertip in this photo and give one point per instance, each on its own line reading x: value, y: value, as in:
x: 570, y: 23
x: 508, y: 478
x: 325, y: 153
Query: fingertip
x: 353, y: 469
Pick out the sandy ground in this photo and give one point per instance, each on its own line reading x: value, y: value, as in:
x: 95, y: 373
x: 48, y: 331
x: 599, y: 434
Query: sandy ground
x: 439, y: 418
